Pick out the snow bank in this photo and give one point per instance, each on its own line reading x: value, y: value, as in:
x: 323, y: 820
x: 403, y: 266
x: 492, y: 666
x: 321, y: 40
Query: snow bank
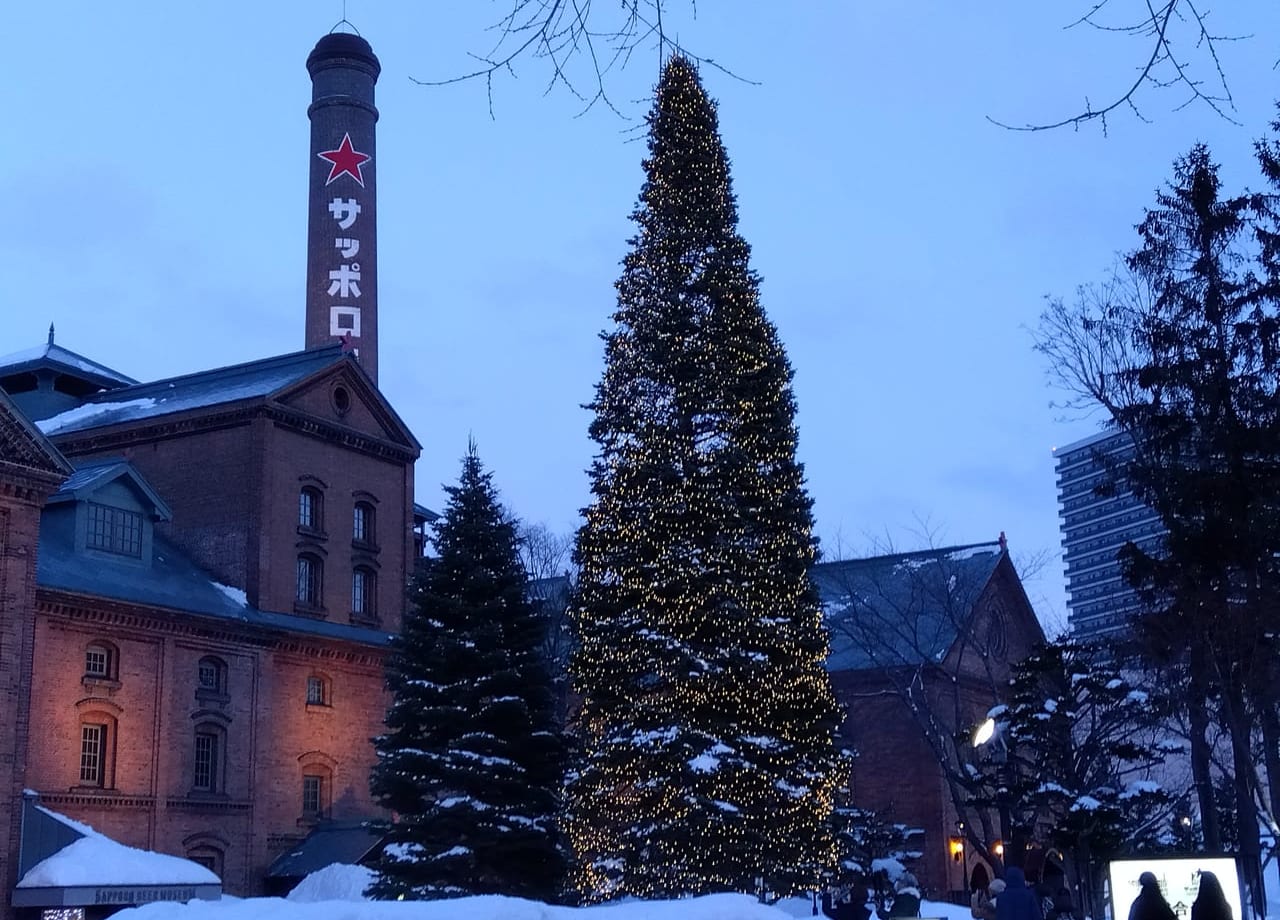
x: 711, y: 907
x: 333, y: 883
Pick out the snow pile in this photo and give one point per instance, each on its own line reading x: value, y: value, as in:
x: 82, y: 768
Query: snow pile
x: 488, y: 907
x: 98, y: 860
x: 334, y: 883
x: 89, y: 410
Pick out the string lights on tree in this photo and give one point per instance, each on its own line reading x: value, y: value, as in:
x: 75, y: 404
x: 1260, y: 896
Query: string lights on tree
x: 707, y: 715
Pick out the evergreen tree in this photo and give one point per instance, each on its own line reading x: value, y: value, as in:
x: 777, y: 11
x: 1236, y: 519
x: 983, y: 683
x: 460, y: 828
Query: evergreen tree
x: 1081, y: 751
x: 471, y: 763
x: 707, y: 716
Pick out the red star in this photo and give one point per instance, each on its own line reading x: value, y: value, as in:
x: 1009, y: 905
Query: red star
x: 346, y: 159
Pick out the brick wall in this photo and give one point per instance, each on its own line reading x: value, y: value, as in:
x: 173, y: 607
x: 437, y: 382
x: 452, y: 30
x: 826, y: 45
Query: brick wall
x: 156, y: 703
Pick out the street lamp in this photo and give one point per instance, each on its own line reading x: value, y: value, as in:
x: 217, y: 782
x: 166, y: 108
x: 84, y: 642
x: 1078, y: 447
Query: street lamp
x: 989, y: 735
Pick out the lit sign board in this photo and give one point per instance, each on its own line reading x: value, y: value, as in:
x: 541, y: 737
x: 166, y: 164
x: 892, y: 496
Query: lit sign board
x: 1179, y: 880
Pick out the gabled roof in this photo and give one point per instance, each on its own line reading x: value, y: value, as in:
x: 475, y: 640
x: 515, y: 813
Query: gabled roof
x: 22, y: 445
x: 223, y: 385
x: 55, y: 357
x: 90, y: 477
x: 902, y: 609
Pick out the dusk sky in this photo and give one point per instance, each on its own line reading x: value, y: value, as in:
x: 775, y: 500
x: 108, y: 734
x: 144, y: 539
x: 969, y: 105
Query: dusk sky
x: 155, y: 187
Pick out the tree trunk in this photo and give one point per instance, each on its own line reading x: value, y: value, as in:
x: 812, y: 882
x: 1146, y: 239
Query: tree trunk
x: 1198, y: 718
x: 1250, y: 841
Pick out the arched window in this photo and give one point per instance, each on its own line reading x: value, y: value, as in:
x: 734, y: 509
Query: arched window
x: 310, y: 580
x: 100, y: 661
x: 211, y: 676
x: 97, y: 749
x: 317, y: 784
x: 209, y: 756
x: 208, y: 856
x: 364, y: 592
x: 362, y: 525
x: 311, y: 509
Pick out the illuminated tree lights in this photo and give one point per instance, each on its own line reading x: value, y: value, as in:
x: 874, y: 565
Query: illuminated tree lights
x: 707, y: 716
x: 472, y: 760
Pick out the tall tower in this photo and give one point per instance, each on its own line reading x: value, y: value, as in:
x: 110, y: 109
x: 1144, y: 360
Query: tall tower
x: 342, y: 221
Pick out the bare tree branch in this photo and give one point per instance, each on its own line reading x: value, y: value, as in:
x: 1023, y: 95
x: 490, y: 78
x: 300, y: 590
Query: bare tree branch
x: 1168, y: 62
x: 560, y: 32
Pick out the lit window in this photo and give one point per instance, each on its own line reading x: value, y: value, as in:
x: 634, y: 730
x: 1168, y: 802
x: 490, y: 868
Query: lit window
x: 114, y: 530
x: 363, y: 584
x: 362, y: 524
x: 205, y: 778
x: 309, y: 581
x: 93, y: 754
x: 316, y: 691
x: 310, y: 509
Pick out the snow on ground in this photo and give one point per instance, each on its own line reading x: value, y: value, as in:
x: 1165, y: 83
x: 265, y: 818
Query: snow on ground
x: 488, y: 907
x: 336, y: 893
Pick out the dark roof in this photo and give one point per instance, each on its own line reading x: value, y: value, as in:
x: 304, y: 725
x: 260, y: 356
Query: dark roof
x: 904, y: 608
x: 171, y: 582
x: 345, y: 843
x: 24, y: 446
x: 90, y: 477
x: 421, y: 513
x: 55, y: 357
x: 254, y: 379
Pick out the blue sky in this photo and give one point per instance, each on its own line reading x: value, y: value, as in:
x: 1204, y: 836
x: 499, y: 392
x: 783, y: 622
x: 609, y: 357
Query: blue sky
x: 154, y: 173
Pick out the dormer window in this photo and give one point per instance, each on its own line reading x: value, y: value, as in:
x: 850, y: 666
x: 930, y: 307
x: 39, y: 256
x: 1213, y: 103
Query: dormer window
x: 114, y: 530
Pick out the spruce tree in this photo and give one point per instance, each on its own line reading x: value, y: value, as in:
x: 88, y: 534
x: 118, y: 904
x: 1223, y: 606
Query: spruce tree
x: 471, y: 763
x: 707, y: 715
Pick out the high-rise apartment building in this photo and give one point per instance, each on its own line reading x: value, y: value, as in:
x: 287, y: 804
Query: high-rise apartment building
x: 1095, y: 525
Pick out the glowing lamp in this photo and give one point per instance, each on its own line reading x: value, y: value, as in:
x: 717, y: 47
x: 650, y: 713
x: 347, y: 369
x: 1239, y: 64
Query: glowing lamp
x: 955, y: 846
x: 986, y: 731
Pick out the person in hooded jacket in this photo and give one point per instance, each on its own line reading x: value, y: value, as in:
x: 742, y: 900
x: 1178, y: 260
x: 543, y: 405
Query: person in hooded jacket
x: 980, y: 907
x: 1017, y: 901
x: 847, y: 903
x: 1150, y: 903
x: 1211, y: 902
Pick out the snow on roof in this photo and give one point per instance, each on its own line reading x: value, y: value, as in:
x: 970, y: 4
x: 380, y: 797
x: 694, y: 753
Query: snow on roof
x: 96, y: 859
x: 73, y: 416
x: 236, y: 594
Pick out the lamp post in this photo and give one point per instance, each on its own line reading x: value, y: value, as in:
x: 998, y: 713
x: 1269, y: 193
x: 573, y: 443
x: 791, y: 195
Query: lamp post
x: 990, y: 735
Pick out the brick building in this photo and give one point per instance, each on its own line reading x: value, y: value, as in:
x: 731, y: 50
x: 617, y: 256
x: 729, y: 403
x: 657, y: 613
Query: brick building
x: 915, y: 638
x: 199, y: 576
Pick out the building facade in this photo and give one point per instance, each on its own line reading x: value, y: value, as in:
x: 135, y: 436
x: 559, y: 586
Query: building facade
x: 1097, y: 519
x: 200, y: 576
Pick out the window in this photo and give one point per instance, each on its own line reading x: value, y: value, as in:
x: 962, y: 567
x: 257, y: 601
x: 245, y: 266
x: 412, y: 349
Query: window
x: 99, y: 661
x: 317, y: 694
x: 313, y: 794
x: 208, y: 764
x: 310, y: 580
x: 362, y: 524
x: 93, y: 755
x: 207, y: 856
x: 211, y: 675
x: 363, y: 587
x: 115, y: 530
x: 310, y: 508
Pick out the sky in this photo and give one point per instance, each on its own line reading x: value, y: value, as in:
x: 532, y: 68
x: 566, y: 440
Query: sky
x: 154, y: 177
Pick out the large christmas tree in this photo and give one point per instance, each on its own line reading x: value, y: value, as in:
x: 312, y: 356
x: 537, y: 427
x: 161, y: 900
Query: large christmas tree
x: 472, y: 760
x: 707, y: 715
